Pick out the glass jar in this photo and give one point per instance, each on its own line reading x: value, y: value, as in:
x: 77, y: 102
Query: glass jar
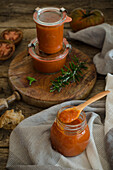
x: 49, y: 24
x: 70, y: 139
x: 50, y: 63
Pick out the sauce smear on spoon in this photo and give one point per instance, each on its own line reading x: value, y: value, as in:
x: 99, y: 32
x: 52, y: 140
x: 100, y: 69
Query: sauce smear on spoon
x: 71, y: 114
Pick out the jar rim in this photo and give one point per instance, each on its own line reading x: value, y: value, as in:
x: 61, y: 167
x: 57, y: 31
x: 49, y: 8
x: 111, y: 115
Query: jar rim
x: 69, y: 127
x: 48, y: 59
x: 37, y: 13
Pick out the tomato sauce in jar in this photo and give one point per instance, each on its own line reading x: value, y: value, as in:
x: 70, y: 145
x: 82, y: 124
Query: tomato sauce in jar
x: 50, y: 38
x: 49, y: 25
x: 48, y: 63
x: 70, y: 139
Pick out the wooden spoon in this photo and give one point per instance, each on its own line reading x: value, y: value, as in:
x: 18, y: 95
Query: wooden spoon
x: 71, y: 114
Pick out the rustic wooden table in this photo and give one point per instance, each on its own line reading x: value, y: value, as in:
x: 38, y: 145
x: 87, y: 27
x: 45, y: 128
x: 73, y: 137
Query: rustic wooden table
x: 18, y: 14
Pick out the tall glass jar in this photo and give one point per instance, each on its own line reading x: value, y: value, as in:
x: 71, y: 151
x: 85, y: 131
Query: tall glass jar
x: 49, y: 25
x: 70, y: 139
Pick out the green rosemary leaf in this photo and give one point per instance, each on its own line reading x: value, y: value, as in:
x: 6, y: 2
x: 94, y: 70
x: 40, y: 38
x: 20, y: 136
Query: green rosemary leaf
x: 70, y: 65
x: 76, y: 77
x: 66, y: 68
x: 75, y: 59
x: 52, y: 90
x: 73, y: 65
x: 80, y: 71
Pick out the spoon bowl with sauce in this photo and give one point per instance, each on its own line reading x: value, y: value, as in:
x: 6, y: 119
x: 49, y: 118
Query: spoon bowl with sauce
x: 71, y: 114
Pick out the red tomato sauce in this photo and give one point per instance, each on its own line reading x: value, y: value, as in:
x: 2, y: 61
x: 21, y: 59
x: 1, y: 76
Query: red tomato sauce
x: 50, y: 38
x: 50, y: 66
x: 48, y: 63
x: 67, y: 116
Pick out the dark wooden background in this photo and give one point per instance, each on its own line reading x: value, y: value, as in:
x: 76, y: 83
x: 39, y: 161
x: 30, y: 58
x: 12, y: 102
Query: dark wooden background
x: 18, y: 14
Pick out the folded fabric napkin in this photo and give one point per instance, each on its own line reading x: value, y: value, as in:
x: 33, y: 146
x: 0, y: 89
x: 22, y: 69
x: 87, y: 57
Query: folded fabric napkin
x: 100, y: 36
x: 30, y: 146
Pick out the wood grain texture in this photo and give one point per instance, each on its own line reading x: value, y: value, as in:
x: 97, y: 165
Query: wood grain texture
x: 3, y: 158
x: 38, y: 93
x: 15, y: 13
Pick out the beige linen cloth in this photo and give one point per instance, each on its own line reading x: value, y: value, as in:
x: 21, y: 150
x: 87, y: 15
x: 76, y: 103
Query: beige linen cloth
x: 30, y: 147
x: 100, y: 36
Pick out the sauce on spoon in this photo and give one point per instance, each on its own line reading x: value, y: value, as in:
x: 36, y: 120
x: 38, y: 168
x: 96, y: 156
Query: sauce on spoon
x: 71, y: 114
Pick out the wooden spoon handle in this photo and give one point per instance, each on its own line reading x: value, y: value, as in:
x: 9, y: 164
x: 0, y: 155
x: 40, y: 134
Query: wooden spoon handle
x: 92, y: 99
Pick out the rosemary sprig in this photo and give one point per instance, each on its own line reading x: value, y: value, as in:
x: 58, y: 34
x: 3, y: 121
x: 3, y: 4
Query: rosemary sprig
x: 69, y: 75
x: 31, y: 79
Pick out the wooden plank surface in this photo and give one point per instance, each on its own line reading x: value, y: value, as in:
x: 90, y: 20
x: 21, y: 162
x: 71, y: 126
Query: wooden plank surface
x: 18, y: 13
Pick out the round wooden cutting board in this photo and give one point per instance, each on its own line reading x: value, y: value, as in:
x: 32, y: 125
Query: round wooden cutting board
x: 38, y: 93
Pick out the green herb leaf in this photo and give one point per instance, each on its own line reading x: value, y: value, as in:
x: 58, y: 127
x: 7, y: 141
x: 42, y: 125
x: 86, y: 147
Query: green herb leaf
x: 31, y: 79
x: 69, y: 75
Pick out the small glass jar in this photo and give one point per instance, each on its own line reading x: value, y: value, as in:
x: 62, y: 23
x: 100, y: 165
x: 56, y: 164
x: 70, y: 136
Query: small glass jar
x: 70, y: 139
x: 49, y: 25
x: 48, y: 63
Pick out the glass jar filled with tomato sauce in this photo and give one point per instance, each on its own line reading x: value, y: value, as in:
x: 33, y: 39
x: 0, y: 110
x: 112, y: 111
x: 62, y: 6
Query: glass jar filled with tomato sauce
x: 70, y: 139
x: 49, y: 25
x: 50, y: 63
